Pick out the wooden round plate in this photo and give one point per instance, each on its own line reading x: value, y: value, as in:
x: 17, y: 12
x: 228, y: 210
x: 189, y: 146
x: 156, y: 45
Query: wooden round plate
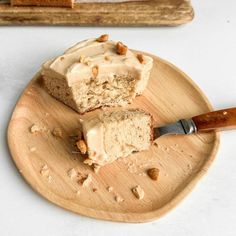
x: 182, y: 160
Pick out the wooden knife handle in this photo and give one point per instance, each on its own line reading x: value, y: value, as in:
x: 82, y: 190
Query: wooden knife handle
x: 216, y: 120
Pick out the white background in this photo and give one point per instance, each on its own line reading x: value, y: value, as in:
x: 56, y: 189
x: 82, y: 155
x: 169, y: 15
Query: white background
x: 205, y: 49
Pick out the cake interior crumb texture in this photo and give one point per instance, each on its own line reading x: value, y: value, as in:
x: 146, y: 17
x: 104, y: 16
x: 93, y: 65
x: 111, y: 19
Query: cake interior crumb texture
x: 117, y: 134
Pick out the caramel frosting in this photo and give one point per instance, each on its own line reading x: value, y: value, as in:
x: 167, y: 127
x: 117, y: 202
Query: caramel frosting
x: 77, y: 62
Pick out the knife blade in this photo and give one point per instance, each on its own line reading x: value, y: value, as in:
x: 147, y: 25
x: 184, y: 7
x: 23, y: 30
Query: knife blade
x: 217, y: 120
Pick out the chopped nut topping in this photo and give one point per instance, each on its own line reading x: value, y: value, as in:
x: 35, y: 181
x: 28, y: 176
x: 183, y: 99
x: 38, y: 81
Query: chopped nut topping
x: 153, y: 173
x: 82, y: 146
x: 95, y: 71
x: 138, y: 192
x: 96, y: 168
x: 57, y: 132
x: 119, y: 199
x: 109, y: 189
x: 121, y: 49
x: 103, y: 38
x: 95, y: 189
x: 72, y: 173
x: 62, y: 58
x: 78, y: 192
x: 140, y: 58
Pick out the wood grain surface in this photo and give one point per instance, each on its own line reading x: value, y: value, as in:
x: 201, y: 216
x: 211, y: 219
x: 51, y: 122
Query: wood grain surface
x: 152, y: 13
x: 182, y: 160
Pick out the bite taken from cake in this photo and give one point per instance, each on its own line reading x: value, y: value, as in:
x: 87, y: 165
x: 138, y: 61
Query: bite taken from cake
x: 97, y: 73
x: 115, y: 133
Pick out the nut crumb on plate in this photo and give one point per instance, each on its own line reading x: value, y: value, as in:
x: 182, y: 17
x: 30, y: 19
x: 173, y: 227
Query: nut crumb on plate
x: 138, y: 192
x: 36, y: 128
x: 153, y: 173
x: 44, y: 170
x: 85, y: 180
x: 96, y: 168
x: 109, y: 189
x: 119, y: 198
x: 72, y: 173
x: 57, y: 132
x: 32, y: 149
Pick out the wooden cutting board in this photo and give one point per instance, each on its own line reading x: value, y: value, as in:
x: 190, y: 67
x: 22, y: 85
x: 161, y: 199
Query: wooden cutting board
x: 152, y: 13
x: 182, y: 160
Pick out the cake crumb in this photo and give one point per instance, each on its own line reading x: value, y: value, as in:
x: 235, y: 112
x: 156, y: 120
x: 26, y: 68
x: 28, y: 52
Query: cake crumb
x: 72, y: 173
x: 57, y: 132
x: 138, y: 192
x: 88, y: 161
x: 49, y: 178
x: 153, y: 173
x: 109, y: 189
x: 85, y: 180
x: 119, y: 198
x: 36, y: 128
x: 32, y: 149
x: 96, y: 168
x: 77, y: 192
x: 44, y: 170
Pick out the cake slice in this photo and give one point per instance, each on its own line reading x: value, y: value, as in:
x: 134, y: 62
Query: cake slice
x: 97, y: 73
x: 110, y: 135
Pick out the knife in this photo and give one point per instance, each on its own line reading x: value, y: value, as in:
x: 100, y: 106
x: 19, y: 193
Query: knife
x: 212, y: 121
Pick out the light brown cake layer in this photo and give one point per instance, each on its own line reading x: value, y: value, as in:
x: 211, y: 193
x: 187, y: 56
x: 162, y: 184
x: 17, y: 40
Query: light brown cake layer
x: 54, y: 3
x: 118, y: 133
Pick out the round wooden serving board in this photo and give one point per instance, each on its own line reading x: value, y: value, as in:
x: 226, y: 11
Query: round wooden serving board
x: 182, y: 160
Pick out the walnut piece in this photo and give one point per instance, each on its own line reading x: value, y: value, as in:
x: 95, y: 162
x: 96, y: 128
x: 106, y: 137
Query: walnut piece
x: 121, y: 49
x: 140, y: 58
x: 82, y: 146
x: 138, y: 192
x: 103, y: 38
x: 153, y: 173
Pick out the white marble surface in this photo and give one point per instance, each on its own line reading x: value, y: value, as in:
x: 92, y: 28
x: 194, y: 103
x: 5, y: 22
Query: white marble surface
x: 204, y: 49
